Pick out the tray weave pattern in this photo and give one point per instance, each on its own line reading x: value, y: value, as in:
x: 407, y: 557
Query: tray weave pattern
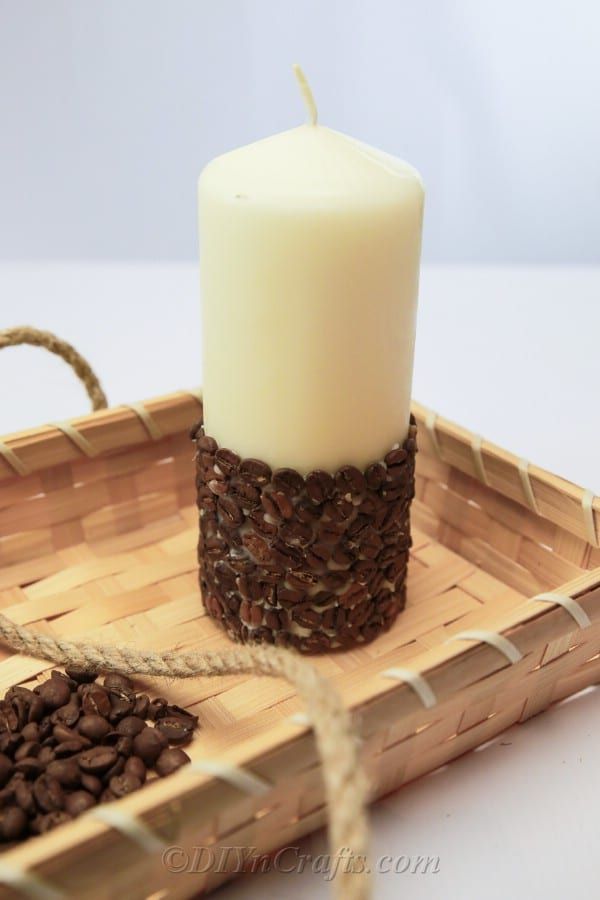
x: 98, y: 532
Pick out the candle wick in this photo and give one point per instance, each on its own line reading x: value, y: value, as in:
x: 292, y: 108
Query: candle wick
x: 307, y: 94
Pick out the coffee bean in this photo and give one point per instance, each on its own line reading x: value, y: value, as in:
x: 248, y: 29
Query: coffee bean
x: 66, y: 772
x: 124, y: 784
x: 177, y: 730
x: 116, y: 769
x: 120, y: 707
x: 51, y: 820
x: 92, y: 784
x: 93, y: 726
x: 140, y: 707
x: 170, y: 760
x: 79, y: 802
x: 24, y: 797
x: 227, y: 461
x: 97, y: 759
x: 13, y: 823
x: 206, y: 443
x: 6, y: 769
x: 230, y: 510
x: 130, y: 725
x: 149, y: 744
x: 96, y: 702
x: 81, y: 676
x: 319, y: 486
x: 31, y: 732
x: 54, y: 692
x: 350, y: 479
x: 27, y: 748
x: 257, y: 547
x: 68, y: 714
x: 255, y: 471
x: 46, y: 755
x: 69, y: 748
x: 29, y: 766
x: 135, y: 766
x: 48, y: 793
x: 157, y: 708
x: 289, y: 481
x: 396, y: 456
x: 115, y: 680
x: 375, y: 476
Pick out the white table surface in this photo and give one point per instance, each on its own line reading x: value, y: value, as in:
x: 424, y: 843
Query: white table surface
x: 509, y: 352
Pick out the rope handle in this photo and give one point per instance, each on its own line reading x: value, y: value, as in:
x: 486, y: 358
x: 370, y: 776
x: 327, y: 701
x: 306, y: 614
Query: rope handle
x: 25, y: 334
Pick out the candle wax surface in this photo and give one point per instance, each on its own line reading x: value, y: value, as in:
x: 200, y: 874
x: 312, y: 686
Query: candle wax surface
x: 310, y: 246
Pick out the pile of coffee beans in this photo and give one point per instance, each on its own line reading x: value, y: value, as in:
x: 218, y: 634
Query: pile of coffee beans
x: 71, y: 742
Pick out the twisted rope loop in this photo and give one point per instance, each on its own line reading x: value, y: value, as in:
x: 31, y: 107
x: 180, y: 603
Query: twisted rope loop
x: 25, y: 334
x: 344, y: 778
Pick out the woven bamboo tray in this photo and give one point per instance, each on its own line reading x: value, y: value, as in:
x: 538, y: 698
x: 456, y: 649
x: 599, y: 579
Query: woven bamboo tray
x: 98, y: 532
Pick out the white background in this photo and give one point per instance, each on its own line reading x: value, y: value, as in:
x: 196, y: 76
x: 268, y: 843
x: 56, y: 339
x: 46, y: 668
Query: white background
x: 108, y: 111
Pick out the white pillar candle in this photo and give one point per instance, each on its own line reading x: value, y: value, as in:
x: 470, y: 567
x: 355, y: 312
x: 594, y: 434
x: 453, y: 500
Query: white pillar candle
x: 310, y: 245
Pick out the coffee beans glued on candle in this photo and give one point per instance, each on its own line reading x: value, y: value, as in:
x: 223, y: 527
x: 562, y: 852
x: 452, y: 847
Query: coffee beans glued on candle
x: 72, y: 742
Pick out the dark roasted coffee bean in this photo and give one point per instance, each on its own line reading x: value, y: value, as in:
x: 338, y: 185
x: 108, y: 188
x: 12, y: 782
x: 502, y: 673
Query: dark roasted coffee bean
x: 350, y: 480
x: 227, y: 461
x: 56, y: 673
x: 156, y: 706
x: 396, y: 456
x: 257, y: 547
x: 46, y: 755
x: 6, y: 769
x: 140, y: 707
x: 107, y: 796
x: 28, y: 748
x: 24, y: 797
x: 115, y: 680
x: 178, y: 730
x: 48, y: 793
x: 319, y: 486
x: 37, y: 708
x: 306, y: 617
x: 130, y: 725
x: 50, y: 820
x: 149, y: 744
x: 9, y: 717
x: 13, y: 823
x: 66, y: 772
x: 136, y: 766
x: 31, y: 732
x: 230, y: 511
x: 289, y: 481
x: 206, y: 443
x: 96, y: 702
x: 78, y: 802
x: 296, y: 534
x: 255, y: 471
x: 97, y: 759
x: 173, y: 710
x: 29, y: 766
x: 120, y: 707
x: 66, y: 715
x: 124, y: 784
x: 92, y: 784
x: 283, y: 505
x: 375, y: 476
x: 54, y: 692
x: 93, y: 726
x: 170, y: 760
x: 81, y: 676
x: 116, y: 769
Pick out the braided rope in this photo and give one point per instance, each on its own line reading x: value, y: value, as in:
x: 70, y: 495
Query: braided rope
x: 344, y: 778
x: 25, y: 334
